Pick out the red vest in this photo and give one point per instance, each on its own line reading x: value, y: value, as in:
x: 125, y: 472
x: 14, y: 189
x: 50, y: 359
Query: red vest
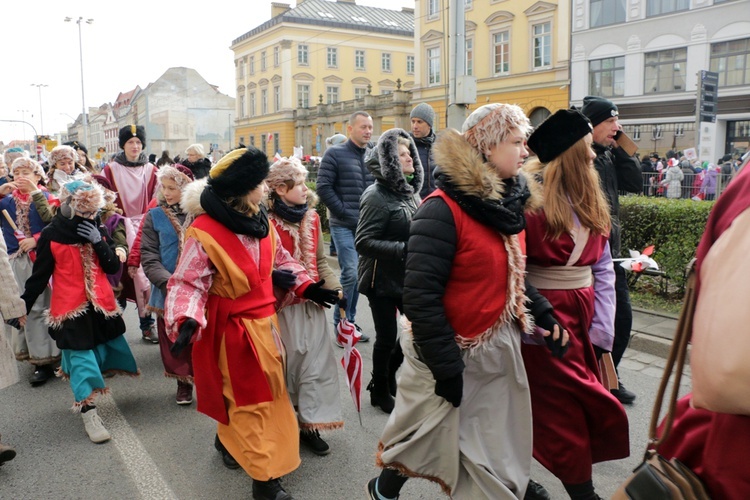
x: 78, y: 281
x: 477, y: 290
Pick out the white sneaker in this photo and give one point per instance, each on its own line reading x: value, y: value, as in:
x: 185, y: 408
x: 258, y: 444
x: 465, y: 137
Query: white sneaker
x: 94, y: 427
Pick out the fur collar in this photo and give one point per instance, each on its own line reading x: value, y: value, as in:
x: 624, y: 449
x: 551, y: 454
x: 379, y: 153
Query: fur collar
x: 387, y: 169
x: 470, y: 174
x: 191, y: 198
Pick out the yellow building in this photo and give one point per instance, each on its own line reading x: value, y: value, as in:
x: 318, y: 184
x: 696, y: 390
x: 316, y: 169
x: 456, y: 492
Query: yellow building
x: 317, y: 52
x: 518, y: 50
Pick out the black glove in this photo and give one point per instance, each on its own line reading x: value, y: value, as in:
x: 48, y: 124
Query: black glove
x: 283, y: 278
x: 599, y: 351
x: 88, y: 230
x: 320, y: 295
x: 14, y: 322
x: 187, y: 329
x: 548, y: 322
x: 451, y: 389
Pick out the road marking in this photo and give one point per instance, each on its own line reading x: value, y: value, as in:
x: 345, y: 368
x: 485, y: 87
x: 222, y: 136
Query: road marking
x: 142, y: 468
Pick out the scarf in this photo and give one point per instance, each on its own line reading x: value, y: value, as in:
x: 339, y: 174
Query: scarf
x: 292, y: 214
x: 239, y: 223
x: 65, y: 231
x: 505, y: 215
x: 123, y: 160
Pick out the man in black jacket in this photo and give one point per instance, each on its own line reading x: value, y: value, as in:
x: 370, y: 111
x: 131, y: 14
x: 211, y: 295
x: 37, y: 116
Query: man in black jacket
x: 342, y: 178
x: 422, y: 119
x: 618, y: 171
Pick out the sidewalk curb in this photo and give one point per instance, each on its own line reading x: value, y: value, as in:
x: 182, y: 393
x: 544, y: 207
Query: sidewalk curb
x: 650, y: 344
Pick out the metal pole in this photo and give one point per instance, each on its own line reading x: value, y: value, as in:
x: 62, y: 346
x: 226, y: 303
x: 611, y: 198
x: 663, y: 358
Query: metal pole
x: 41, y: 116
x: 83, y: 98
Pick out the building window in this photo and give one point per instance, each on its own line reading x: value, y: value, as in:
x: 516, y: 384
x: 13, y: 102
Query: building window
x: 276, y: 145
x: 468, y: 4
x: 302, y: 55
x: 332, y: 57
x: 252, y: 140
x: 263, y: 60
x: 241, y: 70
x: 303, y: 96
x: 332, y: 94
x: 658, y: 7
x: 501, y: 52
x: 636, y: 133
x: 276, y: 56
x: 264, y: 144
x: 606, y: 12
x: 276, y: 98
x: 242, y: 106
x: 264, y: 102
x: 433, y: 7
x: 360, y: 92
x: 433, y: 66
x: 542, y: 45
x: 385, y: 62
x: 409, y: 65
x: 731, y: 60
x: 252, y: 103
x: 252, y: 65
x: 469, y: 47
x: 665, y: 71
x: 607, y: 77
x: 359, y: 59
x: 242, y: 139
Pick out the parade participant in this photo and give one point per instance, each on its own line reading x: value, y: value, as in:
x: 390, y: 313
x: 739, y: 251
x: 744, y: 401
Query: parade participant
x: 221, y: 296
x: 12, y: 311
x: 463, y: 415
x: 161, y: 244
x: 29, y: 208
x: 63, y: 167
x: 577, y: 421
x: 112, y: 219
x: 422, y: 117
x: 83, y: 161
x: 618, y: 172
x: 84, y: 318
x: 385, y: 213
x: 196, y: 161
x: 312, y: 369
x: 133, y: 178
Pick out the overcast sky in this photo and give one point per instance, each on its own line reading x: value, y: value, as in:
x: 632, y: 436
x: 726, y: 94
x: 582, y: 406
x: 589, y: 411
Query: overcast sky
x: 129, y: 43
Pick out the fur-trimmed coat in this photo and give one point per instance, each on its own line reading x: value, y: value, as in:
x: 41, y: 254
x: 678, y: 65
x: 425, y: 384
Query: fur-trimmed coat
x: 385, y: 212
x: 458, y: 263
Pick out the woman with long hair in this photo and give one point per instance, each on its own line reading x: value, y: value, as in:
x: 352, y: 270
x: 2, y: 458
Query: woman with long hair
x: 577, y: 421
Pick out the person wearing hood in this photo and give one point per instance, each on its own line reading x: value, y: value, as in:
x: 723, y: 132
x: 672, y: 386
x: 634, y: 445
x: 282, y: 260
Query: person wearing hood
x: 577, y: 421
x: 134, y: 180
x: 709, y: 183
x: 220, y: 299
x: 196, y: 161
x: 673, y: 179
x: 76, y: 252
x: 385, y: 212
x: 462, y: 417
x: 422, y: 131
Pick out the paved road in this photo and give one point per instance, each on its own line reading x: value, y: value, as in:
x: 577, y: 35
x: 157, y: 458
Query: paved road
x: 160, y: 450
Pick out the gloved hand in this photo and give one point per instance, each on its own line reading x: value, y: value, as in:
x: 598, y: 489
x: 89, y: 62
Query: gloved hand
x: 342, y: 301
x: 548, y: 322
x: 187, y: 329
x: 320, y: 295
x: 14, y: 322
x: 599, y: 351
x: 451, y: 389
x: 283, y: 278
x: 88, y: 230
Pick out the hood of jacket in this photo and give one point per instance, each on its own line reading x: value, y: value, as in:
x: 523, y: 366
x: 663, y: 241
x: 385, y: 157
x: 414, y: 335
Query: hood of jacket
x: 383, y: 163
x: 191, y: 197
x: 471, y: 174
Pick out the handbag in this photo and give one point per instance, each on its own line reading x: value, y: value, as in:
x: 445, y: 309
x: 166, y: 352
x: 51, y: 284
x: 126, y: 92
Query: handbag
x: 721, y: 343
x: 657, y: 478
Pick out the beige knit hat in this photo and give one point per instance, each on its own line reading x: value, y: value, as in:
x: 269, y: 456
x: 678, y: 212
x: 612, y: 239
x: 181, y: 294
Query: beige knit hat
x: 286, y: 169
x: 60, y: 152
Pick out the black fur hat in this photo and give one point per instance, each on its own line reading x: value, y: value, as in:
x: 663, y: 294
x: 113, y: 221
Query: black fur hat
x: 77, y: 145
x: 557, y: 133
x: 238, y: 172
x: 129, y: 131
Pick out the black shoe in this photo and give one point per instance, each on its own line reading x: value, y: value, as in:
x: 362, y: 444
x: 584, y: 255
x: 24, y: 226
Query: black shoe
x: 623, y: 395
x: 316, y: 444
x: 363, y: 337
x: 41, y: 375
x: 535, y: 491
x: 229, y: 461
x: 270, y: 490
x: 371, y: 489
x: 380, y: 394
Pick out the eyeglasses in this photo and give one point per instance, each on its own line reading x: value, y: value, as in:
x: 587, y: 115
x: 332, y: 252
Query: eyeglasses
x: 87, y: 215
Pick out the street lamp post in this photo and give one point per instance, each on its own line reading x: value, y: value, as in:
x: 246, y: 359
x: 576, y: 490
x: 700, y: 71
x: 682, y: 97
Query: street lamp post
x: 41, y: 116
x: 83, y: 99
x: 23, y: 120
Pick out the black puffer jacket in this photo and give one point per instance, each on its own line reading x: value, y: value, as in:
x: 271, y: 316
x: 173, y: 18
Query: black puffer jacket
x: 386, y: 209
x: 199, y: 168
x: 424, y: 146
x: 342, y: 179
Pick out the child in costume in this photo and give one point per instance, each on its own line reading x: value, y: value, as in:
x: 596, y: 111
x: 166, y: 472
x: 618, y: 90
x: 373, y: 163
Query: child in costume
x: 161, y: 244
x: 221, y: 294
x: 84, y: 318
x: 63, y: 167
x: 113, y: 220
x: 312, y: 376
x: 29, y: 208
